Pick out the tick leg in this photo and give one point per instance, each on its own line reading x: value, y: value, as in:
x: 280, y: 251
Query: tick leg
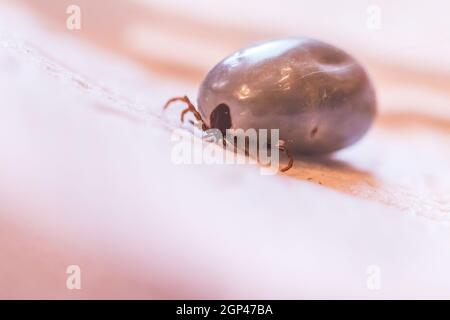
x: 183, y: 113
x: 289, y: 155
x: 190, y: 108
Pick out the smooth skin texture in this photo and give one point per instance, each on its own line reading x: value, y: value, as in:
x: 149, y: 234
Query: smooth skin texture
x: 318, y: 96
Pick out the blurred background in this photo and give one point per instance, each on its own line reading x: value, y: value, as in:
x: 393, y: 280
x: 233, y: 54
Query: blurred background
x: 86, y: 177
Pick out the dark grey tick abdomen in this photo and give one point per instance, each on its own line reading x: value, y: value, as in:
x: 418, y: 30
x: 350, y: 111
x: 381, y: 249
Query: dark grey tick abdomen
x: 318, y: 96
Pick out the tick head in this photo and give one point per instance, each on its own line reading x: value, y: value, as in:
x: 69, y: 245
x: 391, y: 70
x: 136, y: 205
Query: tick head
x: 220, y: 118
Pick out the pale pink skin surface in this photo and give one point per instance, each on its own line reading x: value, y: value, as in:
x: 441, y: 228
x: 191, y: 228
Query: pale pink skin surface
x: 86, y: 178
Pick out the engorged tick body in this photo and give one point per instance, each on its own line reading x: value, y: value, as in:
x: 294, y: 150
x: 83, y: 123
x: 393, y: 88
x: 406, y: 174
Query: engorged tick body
x: 318, y: 96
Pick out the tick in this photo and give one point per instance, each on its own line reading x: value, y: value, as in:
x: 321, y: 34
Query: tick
x: 318, y: 96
